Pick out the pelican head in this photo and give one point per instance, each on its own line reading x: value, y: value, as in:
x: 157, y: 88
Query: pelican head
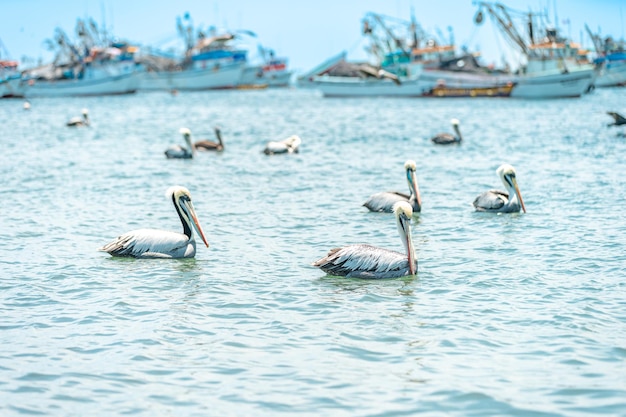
x: 181, y: 197
x: 410, y: 167
x: 455, y: 122
x: 403, y: 212
x: 507, y: 175
x: 84, y: 112
x: 293, y: 141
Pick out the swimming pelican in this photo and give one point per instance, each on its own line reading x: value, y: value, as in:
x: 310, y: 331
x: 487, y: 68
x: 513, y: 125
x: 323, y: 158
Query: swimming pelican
x: 180, y: 152
x: 152, y: 243
x: 384, y: 201
x: 619, y: 119
x: 79, y: 121
x: 498, y: 201
x: 208, y: 145
x: 447, y: 138
x: 289, y: 145
x: 371, y: 262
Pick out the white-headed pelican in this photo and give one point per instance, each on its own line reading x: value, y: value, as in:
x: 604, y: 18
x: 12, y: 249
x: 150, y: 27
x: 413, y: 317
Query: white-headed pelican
x: 180, y: 152
x: 79, y: 121
x: 289, y: 145
x: 499, y: 201
x: 209, y: 145
x: 371, y: 262
x: 447, y: 138
x: 384, y: 201
x: 152, y: 243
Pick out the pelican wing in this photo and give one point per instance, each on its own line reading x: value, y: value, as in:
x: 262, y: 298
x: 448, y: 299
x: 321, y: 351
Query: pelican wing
x: 364, y: 261
x: 444, y: 139
x: 207, y: 145
x: 491, y: 200
x: 276, y: 147
x: 383, y: 202
x: 177, y: 152
x: 75, y: 121
x: 150, y: 243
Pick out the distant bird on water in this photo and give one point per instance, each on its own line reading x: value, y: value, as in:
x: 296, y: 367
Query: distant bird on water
x: 371, y: 262
x: 289, y: 145
x: 180, y: 152
x: 499, y: 201
x: 79, y: 121
x: 152, y: 243
x: 619, y: 119
x: 208, y: 145
x: 383, y: 202
x: 447, y: 138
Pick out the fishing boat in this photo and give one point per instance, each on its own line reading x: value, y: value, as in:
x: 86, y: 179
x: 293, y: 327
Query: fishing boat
x: 9, y: 79
x: 494, y: 91
x: 555, y: 67
x: 610, y: 60
x: 92, y: 66
x: 400, y: 45
x: 208, y: 62
x: 273, y: 72
x: 306, y: 80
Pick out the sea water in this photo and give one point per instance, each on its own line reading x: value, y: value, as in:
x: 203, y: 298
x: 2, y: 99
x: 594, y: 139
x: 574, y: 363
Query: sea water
x: 516, y: 314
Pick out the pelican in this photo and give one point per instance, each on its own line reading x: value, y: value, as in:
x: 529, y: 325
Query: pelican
x: 496, y: 201
x: 208, y: 145
x: 180, y: 152
x: 447, y: 138
x: 289, y: 145
x: 152, y: 243
x: 79, y: 121
x: 619, y: 119
x: 371, y: 262
x: 384, y: 201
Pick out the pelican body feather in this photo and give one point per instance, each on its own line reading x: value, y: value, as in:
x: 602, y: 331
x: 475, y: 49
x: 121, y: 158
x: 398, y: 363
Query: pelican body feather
x: 371, y: 262
x: 152, y: 243
x: 497, y: 201
x: 385, y: 201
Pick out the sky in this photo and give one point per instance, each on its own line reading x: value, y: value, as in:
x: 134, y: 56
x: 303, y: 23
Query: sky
x: 306, y: 32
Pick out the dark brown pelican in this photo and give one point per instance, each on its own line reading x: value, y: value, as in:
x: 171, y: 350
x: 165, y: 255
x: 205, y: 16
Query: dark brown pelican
x: 180, y: 152
x: 447, y: 138
x: 496, y: 201
x: 208, y: 145
x: 79, y: 121
x: 151, y: 243
x: 371, y: 262
x: 619, y: 119
x: 384, y: 201
x: 289, y: 145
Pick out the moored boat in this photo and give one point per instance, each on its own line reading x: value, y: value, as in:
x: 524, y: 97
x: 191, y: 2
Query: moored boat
x: 555, y: 67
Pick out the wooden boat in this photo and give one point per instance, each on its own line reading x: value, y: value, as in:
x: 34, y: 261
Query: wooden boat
x: 495, y: 91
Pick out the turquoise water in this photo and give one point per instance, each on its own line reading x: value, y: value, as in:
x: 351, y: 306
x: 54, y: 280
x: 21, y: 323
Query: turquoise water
x: 521, y: 314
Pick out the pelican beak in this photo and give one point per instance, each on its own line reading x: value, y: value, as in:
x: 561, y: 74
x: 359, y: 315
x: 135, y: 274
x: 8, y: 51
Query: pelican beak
x: 414, y: 187
x: 196, y: 223
x: 519, y: 195
x: 406, y: 227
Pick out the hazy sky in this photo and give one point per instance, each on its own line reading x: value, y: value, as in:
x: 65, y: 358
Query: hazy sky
x: 307, y: 32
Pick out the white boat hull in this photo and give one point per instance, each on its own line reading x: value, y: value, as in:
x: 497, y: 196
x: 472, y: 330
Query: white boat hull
x: 334, y: 86
x: 11, y: 87
x: 220, y: 77
x: 118, y: 84
x: 612, y: 73
x: 553, y: 85
x: 255, y: 76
